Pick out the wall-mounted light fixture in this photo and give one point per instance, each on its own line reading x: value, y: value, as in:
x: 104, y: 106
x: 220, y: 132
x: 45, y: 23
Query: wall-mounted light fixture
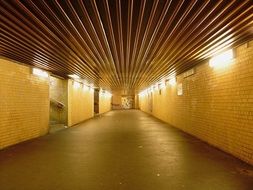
x: 86, y: 87
x: 142, y: 93
x: 74, y: 76
x: 222, y: 60
x: 108, y: 94
x: 150, y: 90
x: 172, y: 81
x: 91, y: 87
x: 156, y: 86
x: 162, y: 85
x: 101, y: 91
x: 105, y: 93
x: 76, y: 84
x: 40, y: 73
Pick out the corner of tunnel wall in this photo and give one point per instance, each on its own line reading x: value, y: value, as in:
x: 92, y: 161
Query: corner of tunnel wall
x: 24, y: 103
x: 70, y: 83
x: 80, y: 103
x: 105, y: 103
x: 136, y: 102
x: 216, y: 105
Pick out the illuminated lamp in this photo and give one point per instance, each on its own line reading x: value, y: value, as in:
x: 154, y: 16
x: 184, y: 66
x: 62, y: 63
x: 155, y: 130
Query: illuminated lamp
x: 173, y: 81
x: 40, y: 73
x: 74, y: 76
x: 222, y: 60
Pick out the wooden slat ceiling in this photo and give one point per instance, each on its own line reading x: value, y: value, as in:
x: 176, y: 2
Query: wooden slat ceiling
x: 121, y: 44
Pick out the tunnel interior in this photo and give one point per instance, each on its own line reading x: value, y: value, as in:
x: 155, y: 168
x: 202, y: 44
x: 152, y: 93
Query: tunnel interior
x: 124, y: 94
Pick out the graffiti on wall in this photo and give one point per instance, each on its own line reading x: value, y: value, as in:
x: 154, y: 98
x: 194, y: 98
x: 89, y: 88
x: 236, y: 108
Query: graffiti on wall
x: 127, y: 102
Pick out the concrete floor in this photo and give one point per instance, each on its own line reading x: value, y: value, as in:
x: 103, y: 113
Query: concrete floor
x: 127, y: 150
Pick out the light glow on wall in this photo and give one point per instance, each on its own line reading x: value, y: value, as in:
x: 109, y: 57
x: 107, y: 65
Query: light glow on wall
x: 108, y: 94
x: 150, y: 90
x: 222, y: 60
x: 158, y: 86
x: 91, y: 89
x: 85, y: 87
x: 74, y: 76
x: 142, y: 93
x: 81, y: 83
x: 40, y: 73
x: 173, y: 81
x: 76, y: 84
x: 105, y: 93
x: 162, y: 85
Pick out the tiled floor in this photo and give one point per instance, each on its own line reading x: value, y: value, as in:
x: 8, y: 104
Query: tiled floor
x: 127, y: 150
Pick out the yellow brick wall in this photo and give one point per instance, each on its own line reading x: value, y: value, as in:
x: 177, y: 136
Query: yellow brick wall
x: 216, y: 105
x: 136, y: 102
x: 24, y: 104
x: 80, y: 103
x: 104, y: 103
x: 116, y: 100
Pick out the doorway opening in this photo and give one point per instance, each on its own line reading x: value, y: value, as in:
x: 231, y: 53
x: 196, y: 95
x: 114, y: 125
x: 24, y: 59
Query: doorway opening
x: 58, y: 92
x: 96, y: 101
